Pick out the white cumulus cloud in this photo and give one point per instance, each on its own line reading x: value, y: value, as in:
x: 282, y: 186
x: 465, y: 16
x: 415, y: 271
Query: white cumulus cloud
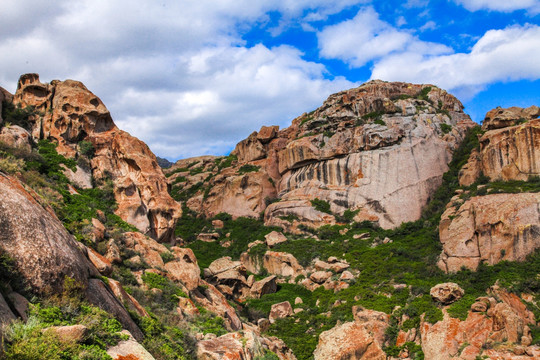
x: 367, y: 38
x: 509, y: 54
x: 501, y: 5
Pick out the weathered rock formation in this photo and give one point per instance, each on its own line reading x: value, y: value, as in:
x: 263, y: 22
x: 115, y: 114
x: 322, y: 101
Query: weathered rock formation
x: 68, y: 114
x: 506, y: 320
x: 489, y: 229
x: 508, y: 148
x: 379, y: 150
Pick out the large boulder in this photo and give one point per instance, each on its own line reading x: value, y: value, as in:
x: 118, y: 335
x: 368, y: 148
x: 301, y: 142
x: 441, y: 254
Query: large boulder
x: 43, y: 251
x: 208, y: 296
x: 348, y: 341
x: 282, y: 264
x: 71, y: 114
x: 184, y: 268
x: 446, y: 293
x: 489, y: 229
x: 228, y: 276
x: 129, y: 349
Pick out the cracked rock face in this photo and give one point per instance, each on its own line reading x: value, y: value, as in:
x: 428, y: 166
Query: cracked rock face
x: 489, y: 229
x: 379, y: 150
x: 70, y: 113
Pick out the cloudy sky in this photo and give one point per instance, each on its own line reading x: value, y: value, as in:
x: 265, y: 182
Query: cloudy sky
x: 193, y: 77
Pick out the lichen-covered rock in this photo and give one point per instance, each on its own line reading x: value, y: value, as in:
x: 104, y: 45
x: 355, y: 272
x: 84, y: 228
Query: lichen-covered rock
x: 273, y: 238
x: 268, y: 285
x: 71, y: 114
x: 184, y: 268
x: 489, y: 228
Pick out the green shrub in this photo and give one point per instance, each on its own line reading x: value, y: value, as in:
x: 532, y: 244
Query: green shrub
x: 248, y: 168
x: 445, y: 128
x: 321, y: 205
x: 87, y: 149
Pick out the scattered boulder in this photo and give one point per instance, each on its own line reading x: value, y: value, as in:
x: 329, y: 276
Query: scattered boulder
x: 209, y: 297
x: 231, y: 346
x: 129, y: 349
x: 446, y: 293
x: 282, y: 264
x: 228, y: 276
x: 274, y: 238
x: 208, y: 237
x: 113, y: 252
x: 268, y: 285
x: 100, y: 262
x: 184, y: 268
x: 217, y: 224
x: 149, y: 249
x: 126, y: 298
x: 320, y: 277
x: 71, y: 333
x: 348, y: 341
x: 280, y: 310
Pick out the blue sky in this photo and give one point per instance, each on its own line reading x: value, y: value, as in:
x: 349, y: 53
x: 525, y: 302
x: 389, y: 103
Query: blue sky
x: 194, y: 77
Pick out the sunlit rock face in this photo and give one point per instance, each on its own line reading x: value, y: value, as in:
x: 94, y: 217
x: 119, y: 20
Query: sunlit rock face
x: 69, y: 114
x: 379, y: 150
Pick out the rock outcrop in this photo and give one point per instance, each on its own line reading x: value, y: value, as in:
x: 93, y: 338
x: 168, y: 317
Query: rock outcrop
x: 379, y: 150
x: 489, y: 229
x: 508, y: 148
x: 70, y: 113
x: 506, y: 320
x: 361, y: 339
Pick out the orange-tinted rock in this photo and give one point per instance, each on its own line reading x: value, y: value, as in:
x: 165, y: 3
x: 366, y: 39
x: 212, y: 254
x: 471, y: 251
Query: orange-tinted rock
x: 148, y: 248
x: 281, y: 263
x: 100, y: 262
x: 500, y: 118
x: 209, y: 297
x: 232, y: 346
x: 71, y: 114
x: 348, y: 341
x: 280, y: 311
x: 489, y: 228
x: 265, y: 286
x: 16, y: 137
x: 126, y: 298
x: 129, y: 349
x: 184, y: 268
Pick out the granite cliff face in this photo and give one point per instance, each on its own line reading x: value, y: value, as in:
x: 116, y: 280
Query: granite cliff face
x: 379, y: 150
x: 495, y: 227
x: 70, y: 114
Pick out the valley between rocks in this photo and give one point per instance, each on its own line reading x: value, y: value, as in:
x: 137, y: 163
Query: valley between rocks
x: 383, y: 225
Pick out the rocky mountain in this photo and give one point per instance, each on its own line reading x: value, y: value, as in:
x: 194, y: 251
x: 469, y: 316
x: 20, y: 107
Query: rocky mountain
x: 383, y: 225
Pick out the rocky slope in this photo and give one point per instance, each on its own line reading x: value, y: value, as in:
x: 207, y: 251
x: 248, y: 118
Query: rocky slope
x: 313, y: 280
x: 70, y: 114
x: 379, y: 151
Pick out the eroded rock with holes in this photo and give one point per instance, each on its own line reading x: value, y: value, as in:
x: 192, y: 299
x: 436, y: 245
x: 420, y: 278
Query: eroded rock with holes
x: 446, y: 293
x: 71, y: 114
